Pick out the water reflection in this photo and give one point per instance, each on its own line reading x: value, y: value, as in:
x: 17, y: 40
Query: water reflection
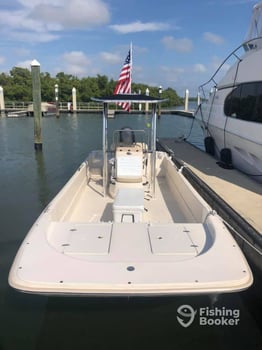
x: 42, y: 180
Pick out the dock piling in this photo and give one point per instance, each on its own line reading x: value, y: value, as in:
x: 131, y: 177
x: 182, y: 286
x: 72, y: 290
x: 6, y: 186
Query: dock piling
x: 198, y: 99
x: 186, y: 99
x: 74, y: 99
x: 147, y: 105
x: 159, y: 106
x: 35, y: 69
x: 56, y: 101
x: 2, y: 102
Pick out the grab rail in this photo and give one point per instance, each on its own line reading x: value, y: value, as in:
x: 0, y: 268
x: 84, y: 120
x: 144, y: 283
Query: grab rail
x: 247, y: 46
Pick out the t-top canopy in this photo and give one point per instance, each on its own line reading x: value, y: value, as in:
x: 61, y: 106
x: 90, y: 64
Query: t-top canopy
x: 132, y: 98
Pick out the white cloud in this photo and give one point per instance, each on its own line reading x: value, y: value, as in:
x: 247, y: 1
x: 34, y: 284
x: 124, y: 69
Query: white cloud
x: 76, y: 63
x: 199, y: 68
x: 24, y: 64
x: 179, y: 45
x: 21, y: 51
x: 216, y: 62
x: 173, y: 70
x: 111, y: 58
x: 34, y: 3
x: 213, y: 38
x: 33, y: 37
x: 139, y: 26
x: 76, y: 57
x: 45, y: 17
x: 73, y: 14
x: 19, y: 20
x: 172, y: 74
x: 2, y: 59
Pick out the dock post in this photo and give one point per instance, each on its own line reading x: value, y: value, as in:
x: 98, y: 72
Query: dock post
x: 2, y: 102
x: 159, y: 106
x: 186, y: 99
x: 56, y: 101
x: 35, y: 69
x: 74, y: 99
x: 198, y: 99
x: 139, y: 105
x: 147, y: 106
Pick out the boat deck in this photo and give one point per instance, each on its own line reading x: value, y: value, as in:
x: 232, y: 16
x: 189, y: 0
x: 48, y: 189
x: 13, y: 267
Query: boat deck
x: 239, y: 191
x: 162, y: 209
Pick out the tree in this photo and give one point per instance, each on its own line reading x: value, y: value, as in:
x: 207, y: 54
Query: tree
x: 21, y: 84
x: 18, y: 87
x: 47, y: 87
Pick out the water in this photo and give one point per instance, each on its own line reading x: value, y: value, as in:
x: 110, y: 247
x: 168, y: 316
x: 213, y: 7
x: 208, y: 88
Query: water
x: 28, y: 181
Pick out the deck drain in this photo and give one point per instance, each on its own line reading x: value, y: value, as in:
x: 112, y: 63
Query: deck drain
x: 130, y: 268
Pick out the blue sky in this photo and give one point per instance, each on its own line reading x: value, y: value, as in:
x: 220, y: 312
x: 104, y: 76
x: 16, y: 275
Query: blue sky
x: 176, y: 43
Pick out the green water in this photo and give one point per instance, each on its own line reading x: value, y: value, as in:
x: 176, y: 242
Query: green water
x: 28, y: 181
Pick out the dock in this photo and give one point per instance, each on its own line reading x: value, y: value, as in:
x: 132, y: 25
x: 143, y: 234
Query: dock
x: 21, y: 108
x: 236, y: 197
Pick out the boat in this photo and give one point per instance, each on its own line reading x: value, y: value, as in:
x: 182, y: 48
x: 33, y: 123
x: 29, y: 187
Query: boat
x: 128, y: 223
x: 17, y: 114
x: 231, y: 111
x: 47, y: 109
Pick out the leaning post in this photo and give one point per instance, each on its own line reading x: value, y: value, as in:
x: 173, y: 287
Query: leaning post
x: 35, y: 69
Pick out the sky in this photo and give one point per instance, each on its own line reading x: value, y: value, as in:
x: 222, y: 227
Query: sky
x: 176, y: 43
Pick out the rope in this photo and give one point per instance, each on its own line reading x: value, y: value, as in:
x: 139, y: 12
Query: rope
x: 243, y: 238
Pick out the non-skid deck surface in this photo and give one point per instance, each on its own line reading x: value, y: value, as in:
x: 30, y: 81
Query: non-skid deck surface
x: 125, y: 242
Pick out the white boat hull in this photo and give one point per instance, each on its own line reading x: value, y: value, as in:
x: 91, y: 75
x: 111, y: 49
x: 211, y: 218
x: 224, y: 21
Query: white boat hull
x: 232, y: 114
x: 243, y: 138
x: 178, y: 246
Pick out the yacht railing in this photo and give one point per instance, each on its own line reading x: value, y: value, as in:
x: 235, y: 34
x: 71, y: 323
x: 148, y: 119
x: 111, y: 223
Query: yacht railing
x: 249, y: 45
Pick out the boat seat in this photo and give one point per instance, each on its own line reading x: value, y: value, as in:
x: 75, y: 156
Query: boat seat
x: 129, y: 205
x: 129, y: 163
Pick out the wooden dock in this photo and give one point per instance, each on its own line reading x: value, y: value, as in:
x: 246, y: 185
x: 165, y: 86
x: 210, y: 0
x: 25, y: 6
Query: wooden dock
x: 236, y: 197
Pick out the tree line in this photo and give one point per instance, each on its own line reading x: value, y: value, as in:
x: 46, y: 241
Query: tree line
x: 17, y: 85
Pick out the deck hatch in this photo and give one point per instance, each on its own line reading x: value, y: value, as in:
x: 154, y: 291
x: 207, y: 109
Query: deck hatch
x: 172, y: 239
x: 89, y: 239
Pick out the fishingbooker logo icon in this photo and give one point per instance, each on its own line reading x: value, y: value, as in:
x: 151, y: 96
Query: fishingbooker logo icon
x: 186, y: 315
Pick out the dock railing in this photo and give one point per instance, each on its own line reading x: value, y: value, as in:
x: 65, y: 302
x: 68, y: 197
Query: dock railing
x: 89, y: 107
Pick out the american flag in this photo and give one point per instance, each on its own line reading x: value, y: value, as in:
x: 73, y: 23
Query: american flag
x: 123, y: 85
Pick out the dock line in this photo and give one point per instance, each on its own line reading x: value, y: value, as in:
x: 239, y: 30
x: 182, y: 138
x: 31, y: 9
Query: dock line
x: 231, y: 228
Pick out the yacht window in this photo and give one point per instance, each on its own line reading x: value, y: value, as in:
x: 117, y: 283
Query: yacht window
x: 245, y: 102
x: 232, y: 103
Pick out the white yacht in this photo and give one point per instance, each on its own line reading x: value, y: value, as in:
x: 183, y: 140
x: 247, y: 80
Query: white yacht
x: 128, y: 223
x: 47, y: 109
x: 231, y: 115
